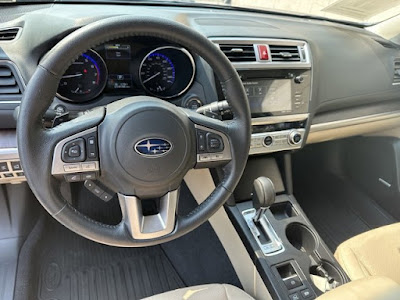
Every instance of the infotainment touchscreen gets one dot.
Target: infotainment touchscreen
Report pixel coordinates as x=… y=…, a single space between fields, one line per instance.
x=269 y=96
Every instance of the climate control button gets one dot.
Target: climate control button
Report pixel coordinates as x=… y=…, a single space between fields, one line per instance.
x=268 y=140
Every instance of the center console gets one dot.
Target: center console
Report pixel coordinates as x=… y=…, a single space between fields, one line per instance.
x=277 y=81
x=289 y=254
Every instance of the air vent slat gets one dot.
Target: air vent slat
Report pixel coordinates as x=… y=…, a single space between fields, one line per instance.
x=7 y=81
x=396 y=73
x=14 y=90
x=284 y=53
x=8 y=34
x=9 y=84
x=4 y=72
x=238 y=52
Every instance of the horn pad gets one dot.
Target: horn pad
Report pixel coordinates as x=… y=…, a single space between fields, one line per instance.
x=150 y=143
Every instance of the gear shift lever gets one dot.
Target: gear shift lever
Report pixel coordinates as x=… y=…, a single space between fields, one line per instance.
x=263 y=196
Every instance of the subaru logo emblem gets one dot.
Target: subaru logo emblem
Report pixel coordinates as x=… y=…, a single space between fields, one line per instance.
x=153 y=147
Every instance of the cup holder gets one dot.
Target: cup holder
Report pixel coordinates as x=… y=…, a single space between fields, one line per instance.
x=301 y=238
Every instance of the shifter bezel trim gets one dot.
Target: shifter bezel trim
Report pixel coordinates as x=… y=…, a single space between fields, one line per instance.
x=268 y=249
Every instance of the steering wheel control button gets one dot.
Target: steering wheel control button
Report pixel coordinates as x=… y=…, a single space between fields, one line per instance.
x=74 y=151
x=97 y=191
x=89 y=185
x=105 y=197
x=201 y=141
x=8 y=175
x=214 y=142
x=20 y=174
x=92 y=147
x=70 y=168
x=16 y=166
x=88 y=166
x=89 y=176
x=73 y=177
x=3 y=167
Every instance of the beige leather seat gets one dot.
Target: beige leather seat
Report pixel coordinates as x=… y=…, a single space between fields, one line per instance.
x=373 y=253
x=201 y=292
x=370 y=288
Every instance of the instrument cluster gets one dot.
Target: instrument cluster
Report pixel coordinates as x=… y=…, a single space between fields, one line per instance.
x=128 y=67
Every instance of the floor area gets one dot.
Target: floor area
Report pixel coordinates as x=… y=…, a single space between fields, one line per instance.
x=72 y=267
x=337 y=207
x=50 y=262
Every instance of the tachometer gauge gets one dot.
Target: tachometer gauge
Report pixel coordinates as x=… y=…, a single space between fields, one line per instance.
x=85 y=79
x=167 y=72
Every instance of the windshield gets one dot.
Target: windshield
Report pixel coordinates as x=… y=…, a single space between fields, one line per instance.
x=358 y=11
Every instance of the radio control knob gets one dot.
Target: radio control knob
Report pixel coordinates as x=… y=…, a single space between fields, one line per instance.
x=295 y=138
x=299 y=79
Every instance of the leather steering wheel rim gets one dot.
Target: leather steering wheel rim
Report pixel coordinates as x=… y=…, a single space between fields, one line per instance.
x=36 y=143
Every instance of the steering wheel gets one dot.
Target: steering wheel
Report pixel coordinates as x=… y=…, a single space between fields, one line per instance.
x=118 y=140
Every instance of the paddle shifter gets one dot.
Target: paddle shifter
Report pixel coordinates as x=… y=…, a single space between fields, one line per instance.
x=263 y=196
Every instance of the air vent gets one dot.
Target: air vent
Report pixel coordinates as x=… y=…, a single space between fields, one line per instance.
x=238 y=52
x=284 y=53
x=11 y=86
x=8 y=34
x=396 y=75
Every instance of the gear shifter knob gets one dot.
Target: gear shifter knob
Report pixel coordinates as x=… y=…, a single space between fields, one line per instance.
x=263 y=196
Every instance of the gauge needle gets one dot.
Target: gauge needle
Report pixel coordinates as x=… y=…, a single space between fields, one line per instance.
x=151 y=77
x=72 y=76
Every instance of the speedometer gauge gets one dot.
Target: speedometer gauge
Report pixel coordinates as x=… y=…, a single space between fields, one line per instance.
x=85 y=79
x=157 y=73
x=167 y=72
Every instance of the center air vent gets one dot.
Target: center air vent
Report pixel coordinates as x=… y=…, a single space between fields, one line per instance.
x=8 y=34
x=11 y=85
x=284 y=53
x=396 y=75
x=238 y=52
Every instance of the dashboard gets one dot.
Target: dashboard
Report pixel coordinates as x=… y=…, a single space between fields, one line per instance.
x=306 y=80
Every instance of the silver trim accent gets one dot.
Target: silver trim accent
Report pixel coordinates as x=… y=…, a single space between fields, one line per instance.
x=100 y=90
x=354 y=121
x=279 y=119
x=268 y=64
x=384 y=182
x=226 y=153
x=275 y=246
x=149 y=227
x=9 y=154
x=353 y=126
x=58 y=165
x=184 y=51
x=257 y=145
x=16 y=37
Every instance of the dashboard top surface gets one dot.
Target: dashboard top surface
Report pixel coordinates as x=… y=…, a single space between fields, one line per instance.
x=350 y=65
